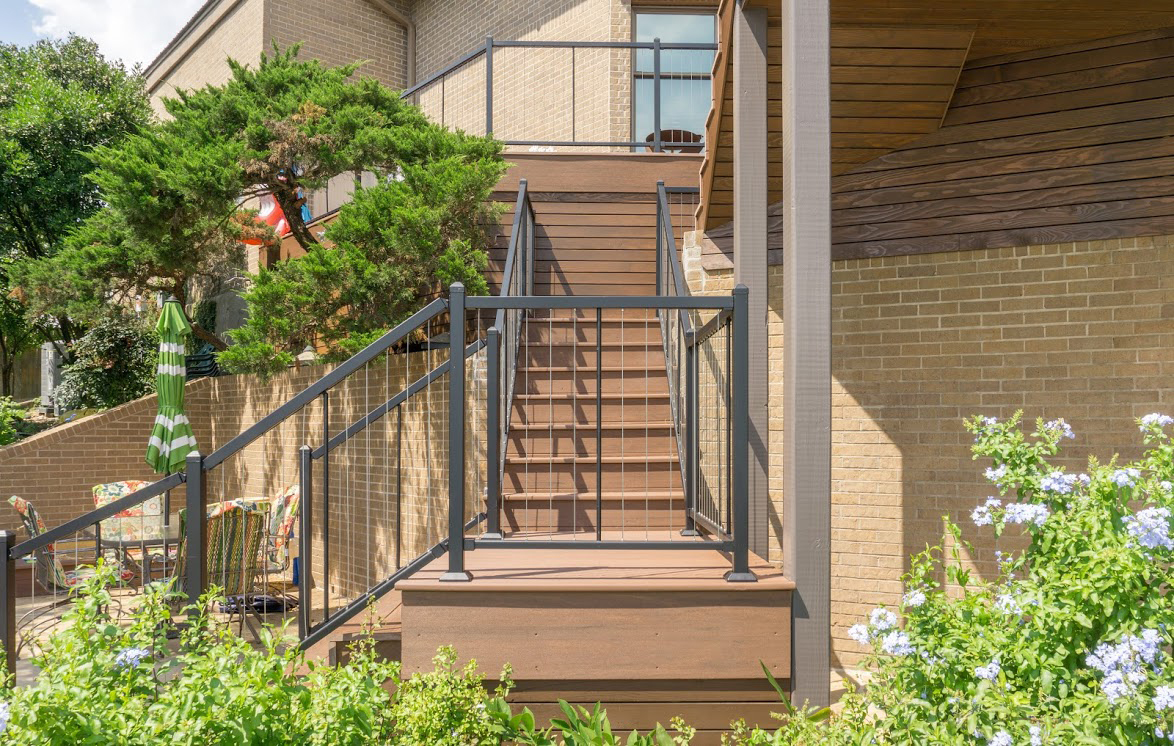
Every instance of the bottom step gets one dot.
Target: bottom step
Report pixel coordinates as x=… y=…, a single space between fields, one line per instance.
x=388 y=646
x=524 y=512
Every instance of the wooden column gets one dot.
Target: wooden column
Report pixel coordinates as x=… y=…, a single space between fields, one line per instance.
x=750 y=208
x=807 y=380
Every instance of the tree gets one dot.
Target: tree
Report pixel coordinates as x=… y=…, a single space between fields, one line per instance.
x=174 y=190
x=396 y=243
x=58 y=100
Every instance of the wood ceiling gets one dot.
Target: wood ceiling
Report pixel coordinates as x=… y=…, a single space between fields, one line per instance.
x=896 y=65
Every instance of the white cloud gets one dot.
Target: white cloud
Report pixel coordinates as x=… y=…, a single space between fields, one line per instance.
x=131 y=30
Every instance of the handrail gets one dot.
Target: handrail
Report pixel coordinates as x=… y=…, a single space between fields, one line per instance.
x=511 y=255
x=326 y=382
x=72 y=526
x=386 y=407
x=669 y=245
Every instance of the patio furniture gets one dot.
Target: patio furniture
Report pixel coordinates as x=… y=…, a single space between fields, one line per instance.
x=234 y=533
x=132 y=532
x=50 y=574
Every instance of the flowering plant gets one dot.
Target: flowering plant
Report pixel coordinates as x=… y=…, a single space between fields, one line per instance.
x=1069 y=642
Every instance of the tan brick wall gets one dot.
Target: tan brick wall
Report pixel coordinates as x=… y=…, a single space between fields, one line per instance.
x=237 y=34
x=1083 y=331
x=534 y=92
x=346 y=32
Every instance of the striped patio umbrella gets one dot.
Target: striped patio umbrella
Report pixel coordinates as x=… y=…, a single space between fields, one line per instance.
x=171 y=438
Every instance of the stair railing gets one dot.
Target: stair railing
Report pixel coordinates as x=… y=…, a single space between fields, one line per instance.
x=470 y=82
x=503 y=343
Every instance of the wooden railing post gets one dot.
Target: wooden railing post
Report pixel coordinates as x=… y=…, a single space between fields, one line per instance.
x=196 y=529
x=456 y=436
x=8 y=604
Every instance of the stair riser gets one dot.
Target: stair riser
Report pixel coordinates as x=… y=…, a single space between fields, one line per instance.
x=641 y=356
x=634 y=515
x=636 y=331
x=629 y=411
x=659 y=441
x=583 y=382
x=560 y=477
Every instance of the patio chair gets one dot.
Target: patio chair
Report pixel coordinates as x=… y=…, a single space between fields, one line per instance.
x=141 y=523
x=234 y=532
x=49 y=573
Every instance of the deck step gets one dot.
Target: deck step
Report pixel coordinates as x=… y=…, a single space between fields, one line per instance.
x=662 y=458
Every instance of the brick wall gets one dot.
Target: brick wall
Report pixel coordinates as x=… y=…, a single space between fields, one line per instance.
x=347 y=31
x=1083 y=331
x=237 y=34
x=534 y=90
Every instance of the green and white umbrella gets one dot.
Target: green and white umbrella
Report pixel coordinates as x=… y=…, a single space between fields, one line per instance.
x=171 y=438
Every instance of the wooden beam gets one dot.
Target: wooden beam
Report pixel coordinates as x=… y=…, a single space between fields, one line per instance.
x=807 y=381
x=750 y=206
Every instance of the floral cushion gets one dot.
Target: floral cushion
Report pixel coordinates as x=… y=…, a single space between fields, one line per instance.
x=49 y=569
x=283 y=511
x=143 y=522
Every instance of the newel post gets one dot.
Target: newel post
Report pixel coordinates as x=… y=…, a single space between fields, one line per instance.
x=196 y=528
x=456 y=436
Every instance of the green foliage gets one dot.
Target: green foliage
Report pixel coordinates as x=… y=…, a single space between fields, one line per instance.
x=58 y=100
x=113 y=363
x=10 y=416
x=395 y=243
x=1069 y=644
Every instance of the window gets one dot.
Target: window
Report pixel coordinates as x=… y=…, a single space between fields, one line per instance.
x=685 y=87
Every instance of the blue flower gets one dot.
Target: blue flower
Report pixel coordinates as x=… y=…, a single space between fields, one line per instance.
x=1150 y=528
x=995 y=474
x=859 y=633
x=982 y=514
x=1125 y=477
x=897 y=643
x=1002 y=738
x=914 y=598
x=1026 y=513
x=1064 y=428
x=131 y=657
x=990 y=672
x=1007 y=604
x=1037 y=735
x=1164 y=698
x=1125 y=664
x=1161 y=420
x=1059 y=482
x=882 y=619
x=4 y=716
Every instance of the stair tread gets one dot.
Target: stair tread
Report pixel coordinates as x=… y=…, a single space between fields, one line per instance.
x=606 y=495
x=604 y=396
x=574 y=427
x=642 y=458
x=650 y=344
x=648 y=368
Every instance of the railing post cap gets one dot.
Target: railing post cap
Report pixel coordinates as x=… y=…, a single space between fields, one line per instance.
x=456 y=287
x=7 y=536
x=741 y=289
x=305 y=448
x=194 y=456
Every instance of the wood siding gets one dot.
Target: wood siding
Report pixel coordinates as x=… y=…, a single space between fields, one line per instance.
x=1066 y=144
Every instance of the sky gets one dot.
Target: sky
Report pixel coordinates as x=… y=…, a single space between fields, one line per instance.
x=133 y=31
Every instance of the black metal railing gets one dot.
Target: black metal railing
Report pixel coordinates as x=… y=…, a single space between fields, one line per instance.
x=533 y=93
x=503 y=344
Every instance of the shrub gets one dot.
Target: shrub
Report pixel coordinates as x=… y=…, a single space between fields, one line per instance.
x=1069 y=644
x=113 y=363
x=10 y=417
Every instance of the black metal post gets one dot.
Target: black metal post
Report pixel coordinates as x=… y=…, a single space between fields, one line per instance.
x=305 y=549
x=8 y=608
x=660 y=249
x=656 y=140
x=741 y=446
x=196 y=528
x=325 y=505
x=599 y=423
x=493 y=444
x=691 y=434
x=488 y=86
x=456 y=436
